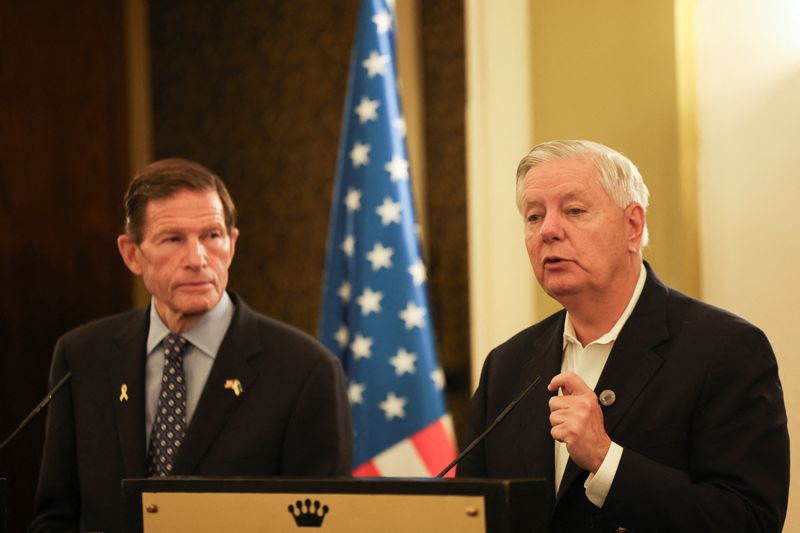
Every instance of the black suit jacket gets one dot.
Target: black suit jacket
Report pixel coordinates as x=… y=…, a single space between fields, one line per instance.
x=699 y=412
x=293 y=417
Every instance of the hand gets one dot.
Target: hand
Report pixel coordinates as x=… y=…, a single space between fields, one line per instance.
x=577 y=421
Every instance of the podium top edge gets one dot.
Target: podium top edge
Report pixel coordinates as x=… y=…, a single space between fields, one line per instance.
x=464 y=486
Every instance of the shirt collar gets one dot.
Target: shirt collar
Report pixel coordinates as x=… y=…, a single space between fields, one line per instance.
x=206 y=335
x=610 y=335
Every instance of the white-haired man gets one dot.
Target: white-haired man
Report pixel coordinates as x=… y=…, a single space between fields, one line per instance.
x=662 y=413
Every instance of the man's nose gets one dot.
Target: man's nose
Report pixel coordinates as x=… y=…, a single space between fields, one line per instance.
x=552 y=228
x=195 y=254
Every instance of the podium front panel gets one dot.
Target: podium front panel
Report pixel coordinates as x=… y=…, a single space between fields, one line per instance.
x=278 y=505
x=334 y=513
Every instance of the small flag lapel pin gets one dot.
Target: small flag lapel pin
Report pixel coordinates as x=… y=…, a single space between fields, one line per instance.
x=235 y=385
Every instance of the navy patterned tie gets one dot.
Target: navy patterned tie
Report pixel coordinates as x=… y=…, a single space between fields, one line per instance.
x=167 y=434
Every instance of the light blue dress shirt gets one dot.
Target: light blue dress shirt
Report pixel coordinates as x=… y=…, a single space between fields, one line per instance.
x=205 y=339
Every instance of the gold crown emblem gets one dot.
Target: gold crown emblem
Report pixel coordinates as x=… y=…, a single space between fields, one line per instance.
x=308 y=514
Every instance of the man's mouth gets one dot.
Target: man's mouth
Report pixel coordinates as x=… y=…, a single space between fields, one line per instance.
x=555 y=263
x=194 y=284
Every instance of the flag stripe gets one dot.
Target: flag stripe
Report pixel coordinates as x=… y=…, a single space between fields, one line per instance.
x=368 y=469
x=435 y=446
x=401 y=460
x=424 y=454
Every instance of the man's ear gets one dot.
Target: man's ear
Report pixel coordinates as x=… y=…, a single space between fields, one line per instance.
x=635 y=220
x=128 y=250
x=233 y=237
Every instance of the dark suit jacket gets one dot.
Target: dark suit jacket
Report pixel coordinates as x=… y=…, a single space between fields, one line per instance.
x=699 y=412
x=293 y=417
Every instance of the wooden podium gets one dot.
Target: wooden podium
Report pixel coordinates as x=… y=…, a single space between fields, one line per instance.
x=278 y=505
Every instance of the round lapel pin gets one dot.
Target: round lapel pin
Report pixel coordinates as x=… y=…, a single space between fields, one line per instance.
x=607 y=398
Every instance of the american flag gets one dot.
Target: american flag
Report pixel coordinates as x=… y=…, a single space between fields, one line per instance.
x=375 y=313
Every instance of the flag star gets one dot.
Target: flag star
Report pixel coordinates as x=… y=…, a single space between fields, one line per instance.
x=349 y=245
x=367 y=110
x=418 y=272
x=375 y=64
x=383 y=21
x=362 y=347
x=355 y=392
x=370 y=301
x=360 y=154
x=389 y=211
x=438 y=378
x=394 y=406
x=353 y=199
x=400 y=125
x=413 y=316
x=342 y=336
x=403 y=362
x=380 y=257
x=397 y=168
x=345 y=291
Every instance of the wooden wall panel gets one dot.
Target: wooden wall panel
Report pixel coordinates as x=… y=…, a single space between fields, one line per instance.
x=254 y=90
x=62 y=173
x=443 y=66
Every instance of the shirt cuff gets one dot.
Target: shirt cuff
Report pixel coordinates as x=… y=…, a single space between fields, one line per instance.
x=598 y=484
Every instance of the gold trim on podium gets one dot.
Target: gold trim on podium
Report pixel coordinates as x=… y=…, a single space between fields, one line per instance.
x=178 y=504
x=346 y=513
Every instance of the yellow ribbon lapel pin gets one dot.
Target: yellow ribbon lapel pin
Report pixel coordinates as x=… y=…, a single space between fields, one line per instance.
x=123 y=393
x=235 y=385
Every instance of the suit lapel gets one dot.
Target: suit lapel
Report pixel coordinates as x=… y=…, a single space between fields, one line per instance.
x=129 y=363
x=632 y=362
x=217 y=402
x=544 y=361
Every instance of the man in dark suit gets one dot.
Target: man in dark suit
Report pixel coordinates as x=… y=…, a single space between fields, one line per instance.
x=198 y=384
x=662 y=413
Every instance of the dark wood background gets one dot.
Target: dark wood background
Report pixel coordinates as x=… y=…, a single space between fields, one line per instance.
x=254 y=89
x=63 y=166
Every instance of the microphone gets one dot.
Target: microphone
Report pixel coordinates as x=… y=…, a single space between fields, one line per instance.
x=488 y=430
x=38 y=408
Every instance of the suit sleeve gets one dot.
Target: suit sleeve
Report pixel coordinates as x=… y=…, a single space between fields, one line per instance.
x=737 y=475
x=319 y=437
x=57 y=504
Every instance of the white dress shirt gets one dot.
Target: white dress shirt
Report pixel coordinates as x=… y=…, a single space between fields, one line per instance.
x=588 y=362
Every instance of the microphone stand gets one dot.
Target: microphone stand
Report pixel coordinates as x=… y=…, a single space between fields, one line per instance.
x=36 y=409
x=25 y=422
x=488 y=430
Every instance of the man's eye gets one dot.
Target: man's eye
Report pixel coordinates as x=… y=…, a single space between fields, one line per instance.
x=534 y=218
x=575 y=211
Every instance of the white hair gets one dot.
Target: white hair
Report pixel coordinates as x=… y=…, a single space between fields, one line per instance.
x=616 y=173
